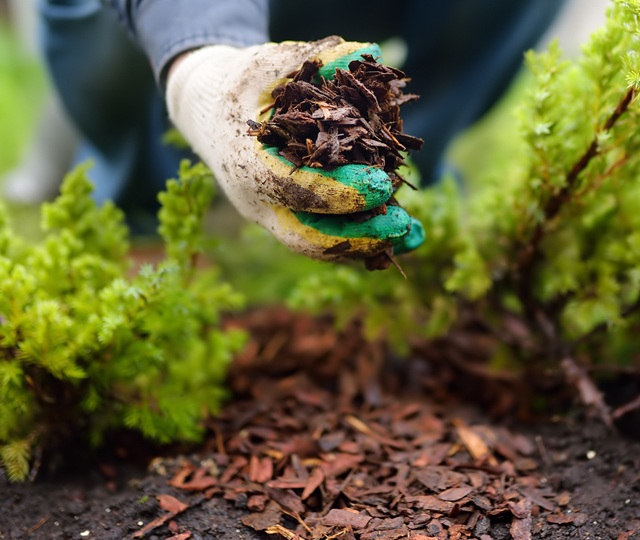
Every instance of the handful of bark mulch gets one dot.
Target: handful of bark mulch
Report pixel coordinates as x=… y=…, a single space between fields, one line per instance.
x=352 y=119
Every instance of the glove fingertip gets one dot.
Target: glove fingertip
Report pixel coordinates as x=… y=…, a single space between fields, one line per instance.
x=413 y=240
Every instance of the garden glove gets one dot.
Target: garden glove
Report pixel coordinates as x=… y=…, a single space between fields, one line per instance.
x=214 y=91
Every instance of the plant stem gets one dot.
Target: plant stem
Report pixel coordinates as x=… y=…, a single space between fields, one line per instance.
x=589 y=393
x=529 y=253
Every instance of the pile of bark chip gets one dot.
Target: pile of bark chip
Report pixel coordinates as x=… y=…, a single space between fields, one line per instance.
x=354 y=462
x=352 y=119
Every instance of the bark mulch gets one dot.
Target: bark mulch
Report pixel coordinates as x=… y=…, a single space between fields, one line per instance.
x=326 y=441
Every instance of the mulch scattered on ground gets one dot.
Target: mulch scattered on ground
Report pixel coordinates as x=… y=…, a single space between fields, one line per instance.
x=322 y=443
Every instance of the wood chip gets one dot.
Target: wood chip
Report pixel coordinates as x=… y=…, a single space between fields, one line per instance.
x=521 y=527
x=430 y=502
x=261 y=521
x=279 y=529
x=171 y=504
x=313 y=482
x=472 y=442
x=455 y=494
x=344 y=518
x=561 y=519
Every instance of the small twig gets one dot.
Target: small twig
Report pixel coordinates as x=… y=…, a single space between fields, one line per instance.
x=393 y=261
x=589 y=393
x=37 y=463
x=543 y=451
x=333 y=499
x=624 y=409
x=338 y=534
x=268 y=107
x=405 y=181
x=36 y=526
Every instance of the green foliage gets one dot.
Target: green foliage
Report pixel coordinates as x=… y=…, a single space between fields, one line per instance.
x=85 y=347
x=552 y=236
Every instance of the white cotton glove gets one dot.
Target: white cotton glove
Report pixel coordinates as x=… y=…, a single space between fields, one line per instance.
x=214 y=91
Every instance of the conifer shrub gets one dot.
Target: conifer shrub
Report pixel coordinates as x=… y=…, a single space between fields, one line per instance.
x=84 y=348
x=552 y=240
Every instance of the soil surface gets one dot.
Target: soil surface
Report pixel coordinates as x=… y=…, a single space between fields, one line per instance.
x=327 y=438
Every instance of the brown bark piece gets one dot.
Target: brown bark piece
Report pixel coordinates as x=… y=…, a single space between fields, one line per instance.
x=313 y=482
x=391 y=534
x=561 y=519
x=261 y=521
x=260 y=470
x=431 y=502
x=171 y=504
x=521 y=527
x=473 y=443
x=344 y=518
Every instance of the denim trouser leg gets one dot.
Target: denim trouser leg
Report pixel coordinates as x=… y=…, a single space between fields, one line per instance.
x=462 y=53
x=107 y=87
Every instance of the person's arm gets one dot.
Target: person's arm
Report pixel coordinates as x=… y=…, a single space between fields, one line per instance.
x=167 y=28
x=216 y=81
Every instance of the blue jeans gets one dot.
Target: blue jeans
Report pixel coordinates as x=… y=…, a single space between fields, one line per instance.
x=462 y=55
x=108 y=89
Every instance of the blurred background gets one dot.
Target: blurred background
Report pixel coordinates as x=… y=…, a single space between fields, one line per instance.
x=37 y=141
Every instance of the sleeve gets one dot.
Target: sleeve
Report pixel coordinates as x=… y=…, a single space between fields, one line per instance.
x=166 y=28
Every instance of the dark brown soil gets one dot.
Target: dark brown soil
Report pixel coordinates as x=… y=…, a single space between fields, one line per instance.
x=391 y=447
x=604 y=489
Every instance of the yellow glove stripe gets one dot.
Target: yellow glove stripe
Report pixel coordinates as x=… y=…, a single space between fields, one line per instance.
x=362 y=247
x=348 y=47
x=344 y=199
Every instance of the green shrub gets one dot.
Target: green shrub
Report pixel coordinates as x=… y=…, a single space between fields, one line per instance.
x=84 y=348
x=551 y=238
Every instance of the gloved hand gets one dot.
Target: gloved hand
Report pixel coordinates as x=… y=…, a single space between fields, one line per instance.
x=214 y=91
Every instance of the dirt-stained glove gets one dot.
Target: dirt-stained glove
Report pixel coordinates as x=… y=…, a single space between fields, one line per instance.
x=214 y=91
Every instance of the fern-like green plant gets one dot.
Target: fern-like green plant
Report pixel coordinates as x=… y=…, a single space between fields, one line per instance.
x=85 y=348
